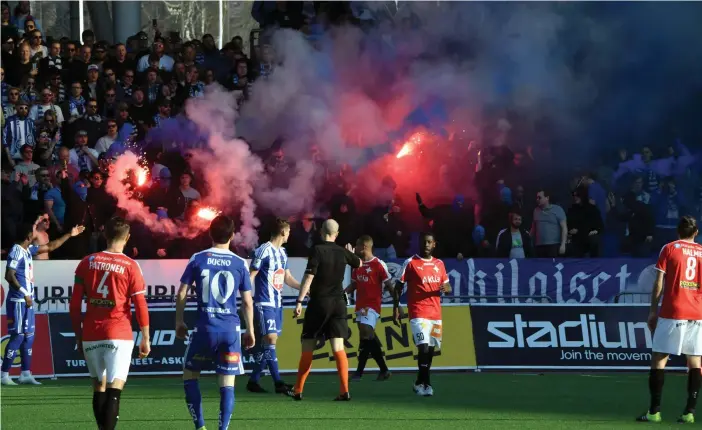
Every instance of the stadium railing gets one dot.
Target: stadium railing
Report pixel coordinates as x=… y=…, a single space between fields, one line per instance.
x=632 y=298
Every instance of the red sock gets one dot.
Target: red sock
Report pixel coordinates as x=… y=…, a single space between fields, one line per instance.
x=342 y=366
x=303 y=369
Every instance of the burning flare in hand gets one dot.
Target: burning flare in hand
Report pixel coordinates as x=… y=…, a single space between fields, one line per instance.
x=207 y=213
x=412 y=142
x=142 y=175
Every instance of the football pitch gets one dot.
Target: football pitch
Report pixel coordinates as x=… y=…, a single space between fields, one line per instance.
x=462 y=401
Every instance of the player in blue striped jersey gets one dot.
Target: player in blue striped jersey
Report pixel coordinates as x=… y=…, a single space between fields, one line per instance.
x=269 y=272
x=218 y=274
x=20 y=312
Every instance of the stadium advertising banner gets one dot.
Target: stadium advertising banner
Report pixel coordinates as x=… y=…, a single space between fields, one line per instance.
x=562 y=280
x=167 y=352
x=563 y=337
x=42 y=361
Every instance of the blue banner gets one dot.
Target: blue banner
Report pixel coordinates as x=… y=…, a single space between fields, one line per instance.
x=561 y=280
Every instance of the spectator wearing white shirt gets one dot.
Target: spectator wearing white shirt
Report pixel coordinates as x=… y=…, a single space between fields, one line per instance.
x=165 y=62
x=81 y=156
x=47 y=98
x=36 y=47
x=104 y=143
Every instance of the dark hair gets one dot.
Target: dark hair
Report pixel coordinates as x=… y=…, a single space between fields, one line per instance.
x=426 y=234
x=88 y=32
x=116 y=229
x=222 y=229
x=280 y=225
x=687 y=227
x=365 y=239
x=546 y=192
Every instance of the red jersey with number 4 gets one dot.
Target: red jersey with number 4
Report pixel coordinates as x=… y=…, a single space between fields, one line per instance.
x=369 y=279
x=424 y=279
x=109 y=281
x=681 y=261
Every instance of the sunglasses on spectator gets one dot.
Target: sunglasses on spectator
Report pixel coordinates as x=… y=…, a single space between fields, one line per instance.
x=110 y=94
x=14 y=94
x=42 y=175
x=76 y=87
x=22 y=108
x=46 y=94
x=44 y=136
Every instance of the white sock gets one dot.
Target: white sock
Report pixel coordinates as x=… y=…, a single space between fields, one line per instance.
x=26 y=373
x=5 y=375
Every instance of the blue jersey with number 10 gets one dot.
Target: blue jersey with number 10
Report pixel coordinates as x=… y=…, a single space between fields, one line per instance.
x=218 y=274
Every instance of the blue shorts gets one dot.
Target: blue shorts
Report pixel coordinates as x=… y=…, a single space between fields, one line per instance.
x=20 y=318
x=218 y=350
x=268 y=320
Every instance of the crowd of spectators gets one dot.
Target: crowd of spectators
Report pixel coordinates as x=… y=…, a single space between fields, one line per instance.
x=65 y=103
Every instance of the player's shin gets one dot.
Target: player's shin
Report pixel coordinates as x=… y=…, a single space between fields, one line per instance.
x=111 y=413
x=430 y=359
x=258 y=367
x=193 y=399
x=423 y=364
x=655 y=385
x=363 y=354
x=342 y=367
x=376 y=350
x=694 y=380
x=303 y=370
x=226 y=406
x=26 y=352
x=10 y=351
x=99 y=403
x=271 y=359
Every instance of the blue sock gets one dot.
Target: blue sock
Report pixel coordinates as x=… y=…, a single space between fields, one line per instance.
x=11 y=350
x=226 y=406
x=258 y=367
x=272 y=360
x=193 y=398
x=26 y=351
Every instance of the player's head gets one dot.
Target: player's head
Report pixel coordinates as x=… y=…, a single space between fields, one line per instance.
x=117 y=231
x=330 y=230
x=222 y=230
x=281 y=230
x=364 y=247
x=687 y=228
x=25 y=234
x=427 y=243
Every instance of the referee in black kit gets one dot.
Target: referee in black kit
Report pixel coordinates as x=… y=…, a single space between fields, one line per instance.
x=326 y=310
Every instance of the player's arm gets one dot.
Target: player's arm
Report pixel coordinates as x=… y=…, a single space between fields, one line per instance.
x=655 y=300
x=181 y=298
x=141 y=308
x=252 y=275
x=11 y=278
x=75 y=308
x=247 y=307
x=55 y=244
x=351 y=288
x=290 y=280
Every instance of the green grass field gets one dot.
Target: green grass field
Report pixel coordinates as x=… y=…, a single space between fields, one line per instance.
x=462 y=401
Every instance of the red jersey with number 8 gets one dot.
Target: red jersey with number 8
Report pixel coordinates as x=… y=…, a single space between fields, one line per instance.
x=424 y=279
x=681 y=262
x=109 y=282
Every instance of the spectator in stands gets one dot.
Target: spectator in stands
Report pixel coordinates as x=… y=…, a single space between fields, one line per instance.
x=63 y=163
x=184 y=196
x=640 y=226
x=549 y=228
x=23 y=68
x=75 y=105
x=26 y=168
x=164 y=112
x=47 y=104
x=637 y=187
x=7 y=26
x=127 y=84
x=153 y=87
x=54 y=204
x=44 y=149
x=42 y=238
x=109 y=106
x=81 y=156
x=23 y=16
x=158 y=195
x=585 y=225
x=120 y=63
x=138 y=109
x=10 y=108
x=99 y=56
x=55 y=85
x=28 y=91
x=104 y=143
x=51 y=61
x=75 y=69
x=19 y=131
x=452 y=226
x=92 y=89
x=91 y=122
x=51 y=126
x=158 y=48
x=38 y=51
x=12 y=213
x=514 y=241
x=303 y=235
x=668 y=205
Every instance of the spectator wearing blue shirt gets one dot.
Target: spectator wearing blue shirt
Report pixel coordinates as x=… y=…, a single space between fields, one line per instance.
x=54 y=204
x=668 y=205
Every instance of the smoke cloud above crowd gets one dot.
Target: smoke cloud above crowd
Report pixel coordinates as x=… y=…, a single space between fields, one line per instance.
x=576 y=77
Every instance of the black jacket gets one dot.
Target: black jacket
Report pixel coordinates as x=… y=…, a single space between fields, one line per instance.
x=504 y=243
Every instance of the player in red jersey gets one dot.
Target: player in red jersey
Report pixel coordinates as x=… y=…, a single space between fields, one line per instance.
x=368 y=282
x=677 y=329
x=426 y=280
x=110 y=281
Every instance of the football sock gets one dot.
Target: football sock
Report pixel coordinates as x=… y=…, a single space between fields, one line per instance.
x=655 y=386
x=363 y=353
x=271 y=358
x=376 y=350
x=694 y=379
x=111 y=412
x=258 y=367
x=26 y=352
x=423 y=364
x=430 y=359
x=10 y=350
x=226 y=406
x=342 y=367
x=303 y=369
x=99 y=402
x=193 y=399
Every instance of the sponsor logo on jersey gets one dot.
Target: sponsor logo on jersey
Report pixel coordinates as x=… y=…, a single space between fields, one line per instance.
x=691 y=285
x=431 y=279
x=279 y=279
x=100 y=346
x=232 y=357
x=102 y=303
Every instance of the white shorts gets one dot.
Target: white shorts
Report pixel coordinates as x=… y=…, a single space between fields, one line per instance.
x=678 y=337
x=367 y=316
x=109 y=358
x=426 y=332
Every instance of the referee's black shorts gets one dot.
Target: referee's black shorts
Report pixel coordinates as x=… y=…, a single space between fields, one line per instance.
x=325 y=317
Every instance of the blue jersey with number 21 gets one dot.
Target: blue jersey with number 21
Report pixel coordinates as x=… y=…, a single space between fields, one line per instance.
x=217 y=274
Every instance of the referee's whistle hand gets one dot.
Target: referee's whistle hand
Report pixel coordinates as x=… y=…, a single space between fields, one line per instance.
x=298 y=311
